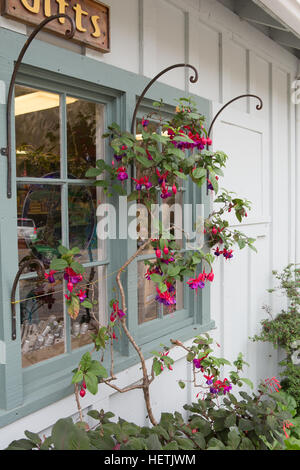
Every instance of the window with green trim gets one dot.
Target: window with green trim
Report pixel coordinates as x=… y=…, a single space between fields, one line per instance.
x=59 y=122
x=58 y=137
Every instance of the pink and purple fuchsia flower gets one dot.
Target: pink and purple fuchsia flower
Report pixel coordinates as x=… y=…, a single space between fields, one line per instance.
x=71 y=276
x=122 y=174
x=117 y=312
x=50 y=277
x=81 y=295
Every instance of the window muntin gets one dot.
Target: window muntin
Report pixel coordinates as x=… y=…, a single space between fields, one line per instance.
x=56 y=205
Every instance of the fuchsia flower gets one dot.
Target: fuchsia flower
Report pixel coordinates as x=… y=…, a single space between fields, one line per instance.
x=227 y=254
x=197 y=362
x=117 y=312
x=155 y=270
x=145 y=123
x=196 y=283
x=165 y=298
x=71 y=276
x=81 y=295
x=122 y=174
x=209 y=379
x=149 y=155
x=50 y=276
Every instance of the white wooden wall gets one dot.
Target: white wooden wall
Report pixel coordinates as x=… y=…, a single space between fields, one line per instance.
x=232 y=58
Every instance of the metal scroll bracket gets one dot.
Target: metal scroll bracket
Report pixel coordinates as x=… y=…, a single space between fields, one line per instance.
x=6 y=151
x=259 y=106
x=40 y=269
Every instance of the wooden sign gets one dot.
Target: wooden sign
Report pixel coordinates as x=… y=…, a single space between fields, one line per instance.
x=90 y=16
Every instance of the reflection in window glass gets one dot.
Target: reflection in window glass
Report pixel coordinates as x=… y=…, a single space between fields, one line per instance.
x=83 y=223
x=39 y=221
x=37 y=132
x=148 y=308
x=84 y=131
x=87 y=322
x=42 y=321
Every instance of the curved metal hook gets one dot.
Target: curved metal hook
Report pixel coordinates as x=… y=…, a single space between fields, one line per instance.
x=40 y=269
x=193 y=79
x=69 y=34
x=258 y=107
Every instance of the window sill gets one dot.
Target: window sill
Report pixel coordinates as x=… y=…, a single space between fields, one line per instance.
x=59 y=384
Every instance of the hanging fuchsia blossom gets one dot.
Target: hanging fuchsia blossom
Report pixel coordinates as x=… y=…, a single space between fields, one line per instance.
x=71 y=276
x=145 y=123
x=197 y=283
x=81 y=295
x=165 y=298
x=119 y=157
x=227 y=254
x=50 y=277
x=122 y=174
x=117 y=312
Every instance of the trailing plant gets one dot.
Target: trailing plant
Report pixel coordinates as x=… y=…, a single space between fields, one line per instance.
x=283 y=329
x=178 y=149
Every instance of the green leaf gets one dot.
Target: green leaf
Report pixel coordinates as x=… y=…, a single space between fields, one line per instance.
x=91 y=383
x=33 y=437
x=230 y=420
x=58 y=264
x=245 y=425
x=199 y=173
x=77 y=267
x=87 y=304
x=233 y=439
x=181 y=384
x=155 y=278
x=63 y=250
x=247 y=382
x=74 y=307
x=21 y=444
x=77 y=377
x=97 y=369
x=93 y=172
x=94 y=414
x=67 y=436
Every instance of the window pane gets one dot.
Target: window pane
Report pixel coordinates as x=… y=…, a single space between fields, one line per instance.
x=84 y=135
x=83 y=202
x=39 y=221
x=148 y=308
x=87 y=322
x=37 y=132
x=167 y=310
x=42 y=321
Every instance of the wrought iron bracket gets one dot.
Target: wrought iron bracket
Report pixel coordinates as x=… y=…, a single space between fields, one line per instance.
x=40 y=269
x=6 y=151
x=193 y=79
x=258 y=107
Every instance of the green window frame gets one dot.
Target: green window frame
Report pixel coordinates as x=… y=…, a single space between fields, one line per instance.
x=23 y=391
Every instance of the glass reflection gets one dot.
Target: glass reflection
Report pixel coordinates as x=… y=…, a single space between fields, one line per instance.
x=88 y=320
x=84 y=131
x=42 y=321
x=39 y=221
x=37 y=132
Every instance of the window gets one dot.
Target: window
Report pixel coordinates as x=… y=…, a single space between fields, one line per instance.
x=59 y=121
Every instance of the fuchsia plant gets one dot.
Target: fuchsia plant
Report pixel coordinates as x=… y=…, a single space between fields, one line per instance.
x=161 y=160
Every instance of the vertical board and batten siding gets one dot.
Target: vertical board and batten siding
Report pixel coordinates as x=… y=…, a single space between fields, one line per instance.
x=232 y=58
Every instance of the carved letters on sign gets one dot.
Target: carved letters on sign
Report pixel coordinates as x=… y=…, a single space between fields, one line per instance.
x=90 y=16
